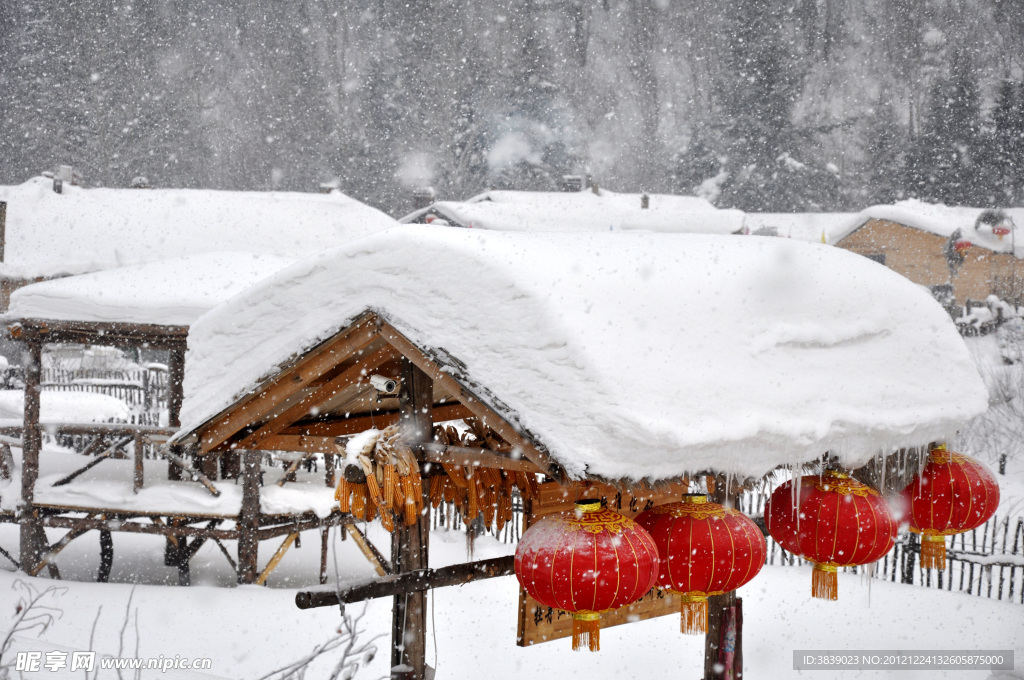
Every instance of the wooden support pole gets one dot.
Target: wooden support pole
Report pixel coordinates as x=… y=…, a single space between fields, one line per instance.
x=175 y=395
x=106 y=556
x=329 y=469
x=276 y=559
x=325 y=534
x=110 y=451
x=409 y=544
x=418 y=581
x=30 y=530
x=249 y=518
x=137 y=471
x=370 y=552
x=723 y=650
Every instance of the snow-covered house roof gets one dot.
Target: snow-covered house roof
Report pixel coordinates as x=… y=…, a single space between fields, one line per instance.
x=583 y=211
x=943 y=220
x=171 y=292
x=815 y=227
x=622 y=356
x=86 y=230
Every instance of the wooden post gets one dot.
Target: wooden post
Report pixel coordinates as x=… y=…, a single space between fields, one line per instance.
x=3 y=228
x=325 y=534
x=249 y=518
x=175 y=376
x=106 y=556
x=409 y=545
x=329 y=470
x=723 y=651
x=30 y=529
x=138 y=472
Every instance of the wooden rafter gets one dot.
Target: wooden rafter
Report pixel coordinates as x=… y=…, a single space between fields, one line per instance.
x=255 y=407
x=362 y=422
x=302 y=408
x=479 y=409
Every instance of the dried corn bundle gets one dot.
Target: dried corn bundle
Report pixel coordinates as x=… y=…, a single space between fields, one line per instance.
x=359 y=501
x=436 y=490
x=390 y=482
x=387 y=520
x=343 y=495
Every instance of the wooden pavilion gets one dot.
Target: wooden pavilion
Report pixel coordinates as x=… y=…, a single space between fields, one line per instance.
x=571 y=385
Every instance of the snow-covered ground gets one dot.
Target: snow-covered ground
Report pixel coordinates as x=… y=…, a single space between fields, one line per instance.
x=250 y=631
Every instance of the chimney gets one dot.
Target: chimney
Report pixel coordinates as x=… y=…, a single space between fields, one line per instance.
x=571 y=183
x=65 y=173
x=645 y=201
x=423 y=197
x=139 y=182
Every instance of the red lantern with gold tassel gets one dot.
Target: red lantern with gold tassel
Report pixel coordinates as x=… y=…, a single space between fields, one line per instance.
x=586 y=562
x=705 y=549
x=832 y=520
x=953 y=494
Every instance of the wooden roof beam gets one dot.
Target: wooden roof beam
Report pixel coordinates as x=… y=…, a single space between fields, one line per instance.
x=486 y=415
x=254 y=407
x=353 y=374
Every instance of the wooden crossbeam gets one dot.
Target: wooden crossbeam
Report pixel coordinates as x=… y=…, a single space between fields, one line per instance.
x=110 y=451
x=471 y=457
x=409 y=582
x=351 y=375
x=56 y=548
x=360 y=423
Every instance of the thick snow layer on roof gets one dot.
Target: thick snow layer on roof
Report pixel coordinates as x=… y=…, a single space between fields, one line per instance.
x=173 y=292
x=943 y=220
x=804 y=226
x=628 y=355
x=585 y=211
x=84 y=230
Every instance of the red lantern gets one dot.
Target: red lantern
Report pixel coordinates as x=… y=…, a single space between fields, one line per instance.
x=953 y=494
x=586 y=562
x=1000 y=231
x=705 y=549
x=962 y=245
x=832 y=520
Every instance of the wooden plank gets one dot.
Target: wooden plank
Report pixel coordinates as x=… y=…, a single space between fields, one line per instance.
x=351 y=375
x=249 y=518
x=544 y=624
x=276 y=559
x=471 y=457
x=486 y=415
x=108 y=333
x=409 y=582
x=276 y=390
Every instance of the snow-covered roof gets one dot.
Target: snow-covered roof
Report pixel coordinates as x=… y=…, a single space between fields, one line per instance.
x=627 y=355
x=85 y=230
x=173 y=292
x=804 y=226
x=943 y=220
x=584 y=211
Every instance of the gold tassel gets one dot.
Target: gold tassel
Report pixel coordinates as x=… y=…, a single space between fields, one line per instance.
x=586 y=631
x=933 y=552
x=693 y=614
x=825 y=582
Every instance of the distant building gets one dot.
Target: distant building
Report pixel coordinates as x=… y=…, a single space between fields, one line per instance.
x=965 y=253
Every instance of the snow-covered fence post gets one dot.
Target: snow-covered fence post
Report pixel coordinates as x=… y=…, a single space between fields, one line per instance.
x=249 y=518
x=409 y=544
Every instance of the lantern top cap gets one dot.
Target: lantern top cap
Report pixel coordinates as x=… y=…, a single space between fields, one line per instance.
x=588 y=505
x=695 y=498
x=938 y=447
x=837 y=473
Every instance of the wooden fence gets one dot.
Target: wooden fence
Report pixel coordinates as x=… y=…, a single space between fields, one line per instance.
x=146 y=390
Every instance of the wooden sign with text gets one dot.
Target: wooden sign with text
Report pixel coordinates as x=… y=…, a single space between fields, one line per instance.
x=539 y=623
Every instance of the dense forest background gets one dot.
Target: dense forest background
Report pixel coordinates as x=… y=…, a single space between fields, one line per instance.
x=787 y=105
